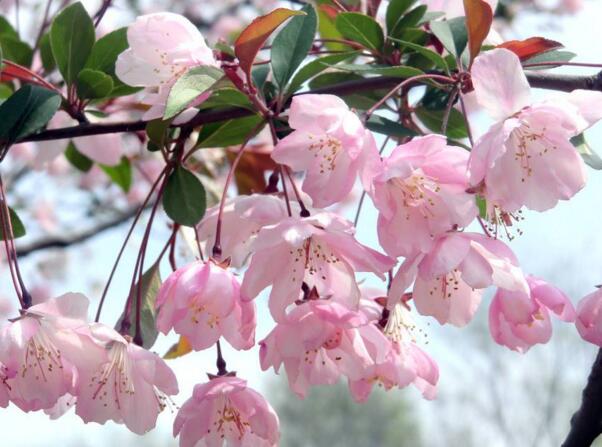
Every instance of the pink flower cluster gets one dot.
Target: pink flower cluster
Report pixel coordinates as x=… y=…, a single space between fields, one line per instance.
x=50 y=357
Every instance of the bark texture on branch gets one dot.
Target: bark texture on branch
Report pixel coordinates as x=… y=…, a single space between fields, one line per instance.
x=586 y=423
x=537 y=80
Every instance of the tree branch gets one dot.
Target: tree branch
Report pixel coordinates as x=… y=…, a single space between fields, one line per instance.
x=537 y=80
x=62 y=242
x=586 y=423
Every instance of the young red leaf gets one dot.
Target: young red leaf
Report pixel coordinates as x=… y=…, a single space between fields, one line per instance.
x=252 y=38
x=479 y=18
x=526 y=49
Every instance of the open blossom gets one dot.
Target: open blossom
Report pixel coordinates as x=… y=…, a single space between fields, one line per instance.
x=318 y=251
x=421 y=193
x=242 y=219
x=4 y=387
x=526 y=158
x=35 y=371
x=518 y=320
x=401 y=362
x=226 y=410
x=589 y=317
x=330 y=143
x=118 y=380
x=318 y=343
x=448 y=281
x=163 y=46
x=452 y=8
x=202 y=302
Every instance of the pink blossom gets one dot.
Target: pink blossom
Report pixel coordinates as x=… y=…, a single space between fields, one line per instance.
x=105 y=149
x=589 y=317
x=448 y=281
x=118 y=380
x=526 y=158
x=318 y=342
x=401 y=362
x=202 y=302
x=242 y=219
x=452 y=8
x=421 y=193
x=226 y=410
x=163 y=46
x=319 y=251
x=35 y=370
x=518 y=320
x=329 y=143
x=4 y=386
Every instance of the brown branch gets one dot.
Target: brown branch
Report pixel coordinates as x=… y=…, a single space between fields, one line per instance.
x=63 y=242
x=537 y=80
x=586 y=423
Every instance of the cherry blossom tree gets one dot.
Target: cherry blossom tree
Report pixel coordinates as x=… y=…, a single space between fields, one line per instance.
x=250 y=138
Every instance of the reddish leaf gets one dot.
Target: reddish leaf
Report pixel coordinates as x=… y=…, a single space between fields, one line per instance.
x=329 y=10
x=479 y=18
x=250 y=173
x=526 y=49
x=11 y=71
x=252 y=38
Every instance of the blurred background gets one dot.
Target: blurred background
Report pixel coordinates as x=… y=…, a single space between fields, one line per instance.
x=488 y=395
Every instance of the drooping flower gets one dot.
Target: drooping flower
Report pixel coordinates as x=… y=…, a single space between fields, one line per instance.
x=397 y=359
x=589 y=317
x=4 y=387
x=35 y=371
x=518 y=320
x=526 y=158
x=242 y=219
x=448 y=281
x=319 y=251
x=118 y=380
x=226 y=410
x=202 y=302
x=318 y=343
x=162 y=47
x=420 y=194
x=330 y=144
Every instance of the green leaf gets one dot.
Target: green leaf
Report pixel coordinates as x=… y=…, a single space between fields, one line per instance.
x=361 y=29
x=227 y=97
x=548 y=56
x=93 y=84
x=72 y=37
x=6 y=29
x=121 y=174
x=227 y=133
x=15 y=50
x=26 y=111
x=105 y=51
x=149 y=289
x=411 y=19
x=434 y=57
x=184 y=197
x=433 y=119
x=77 y=159
x=590 y=158
x=316 y=67
x=482 y=206
x=399 y=71
x=46 y=53
x=291 y=45
x=328 y=30
x=189 y=87
x=157 y=131
x=452 y=34
x=17 y=226
x=388 y=127
x=395 y=11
